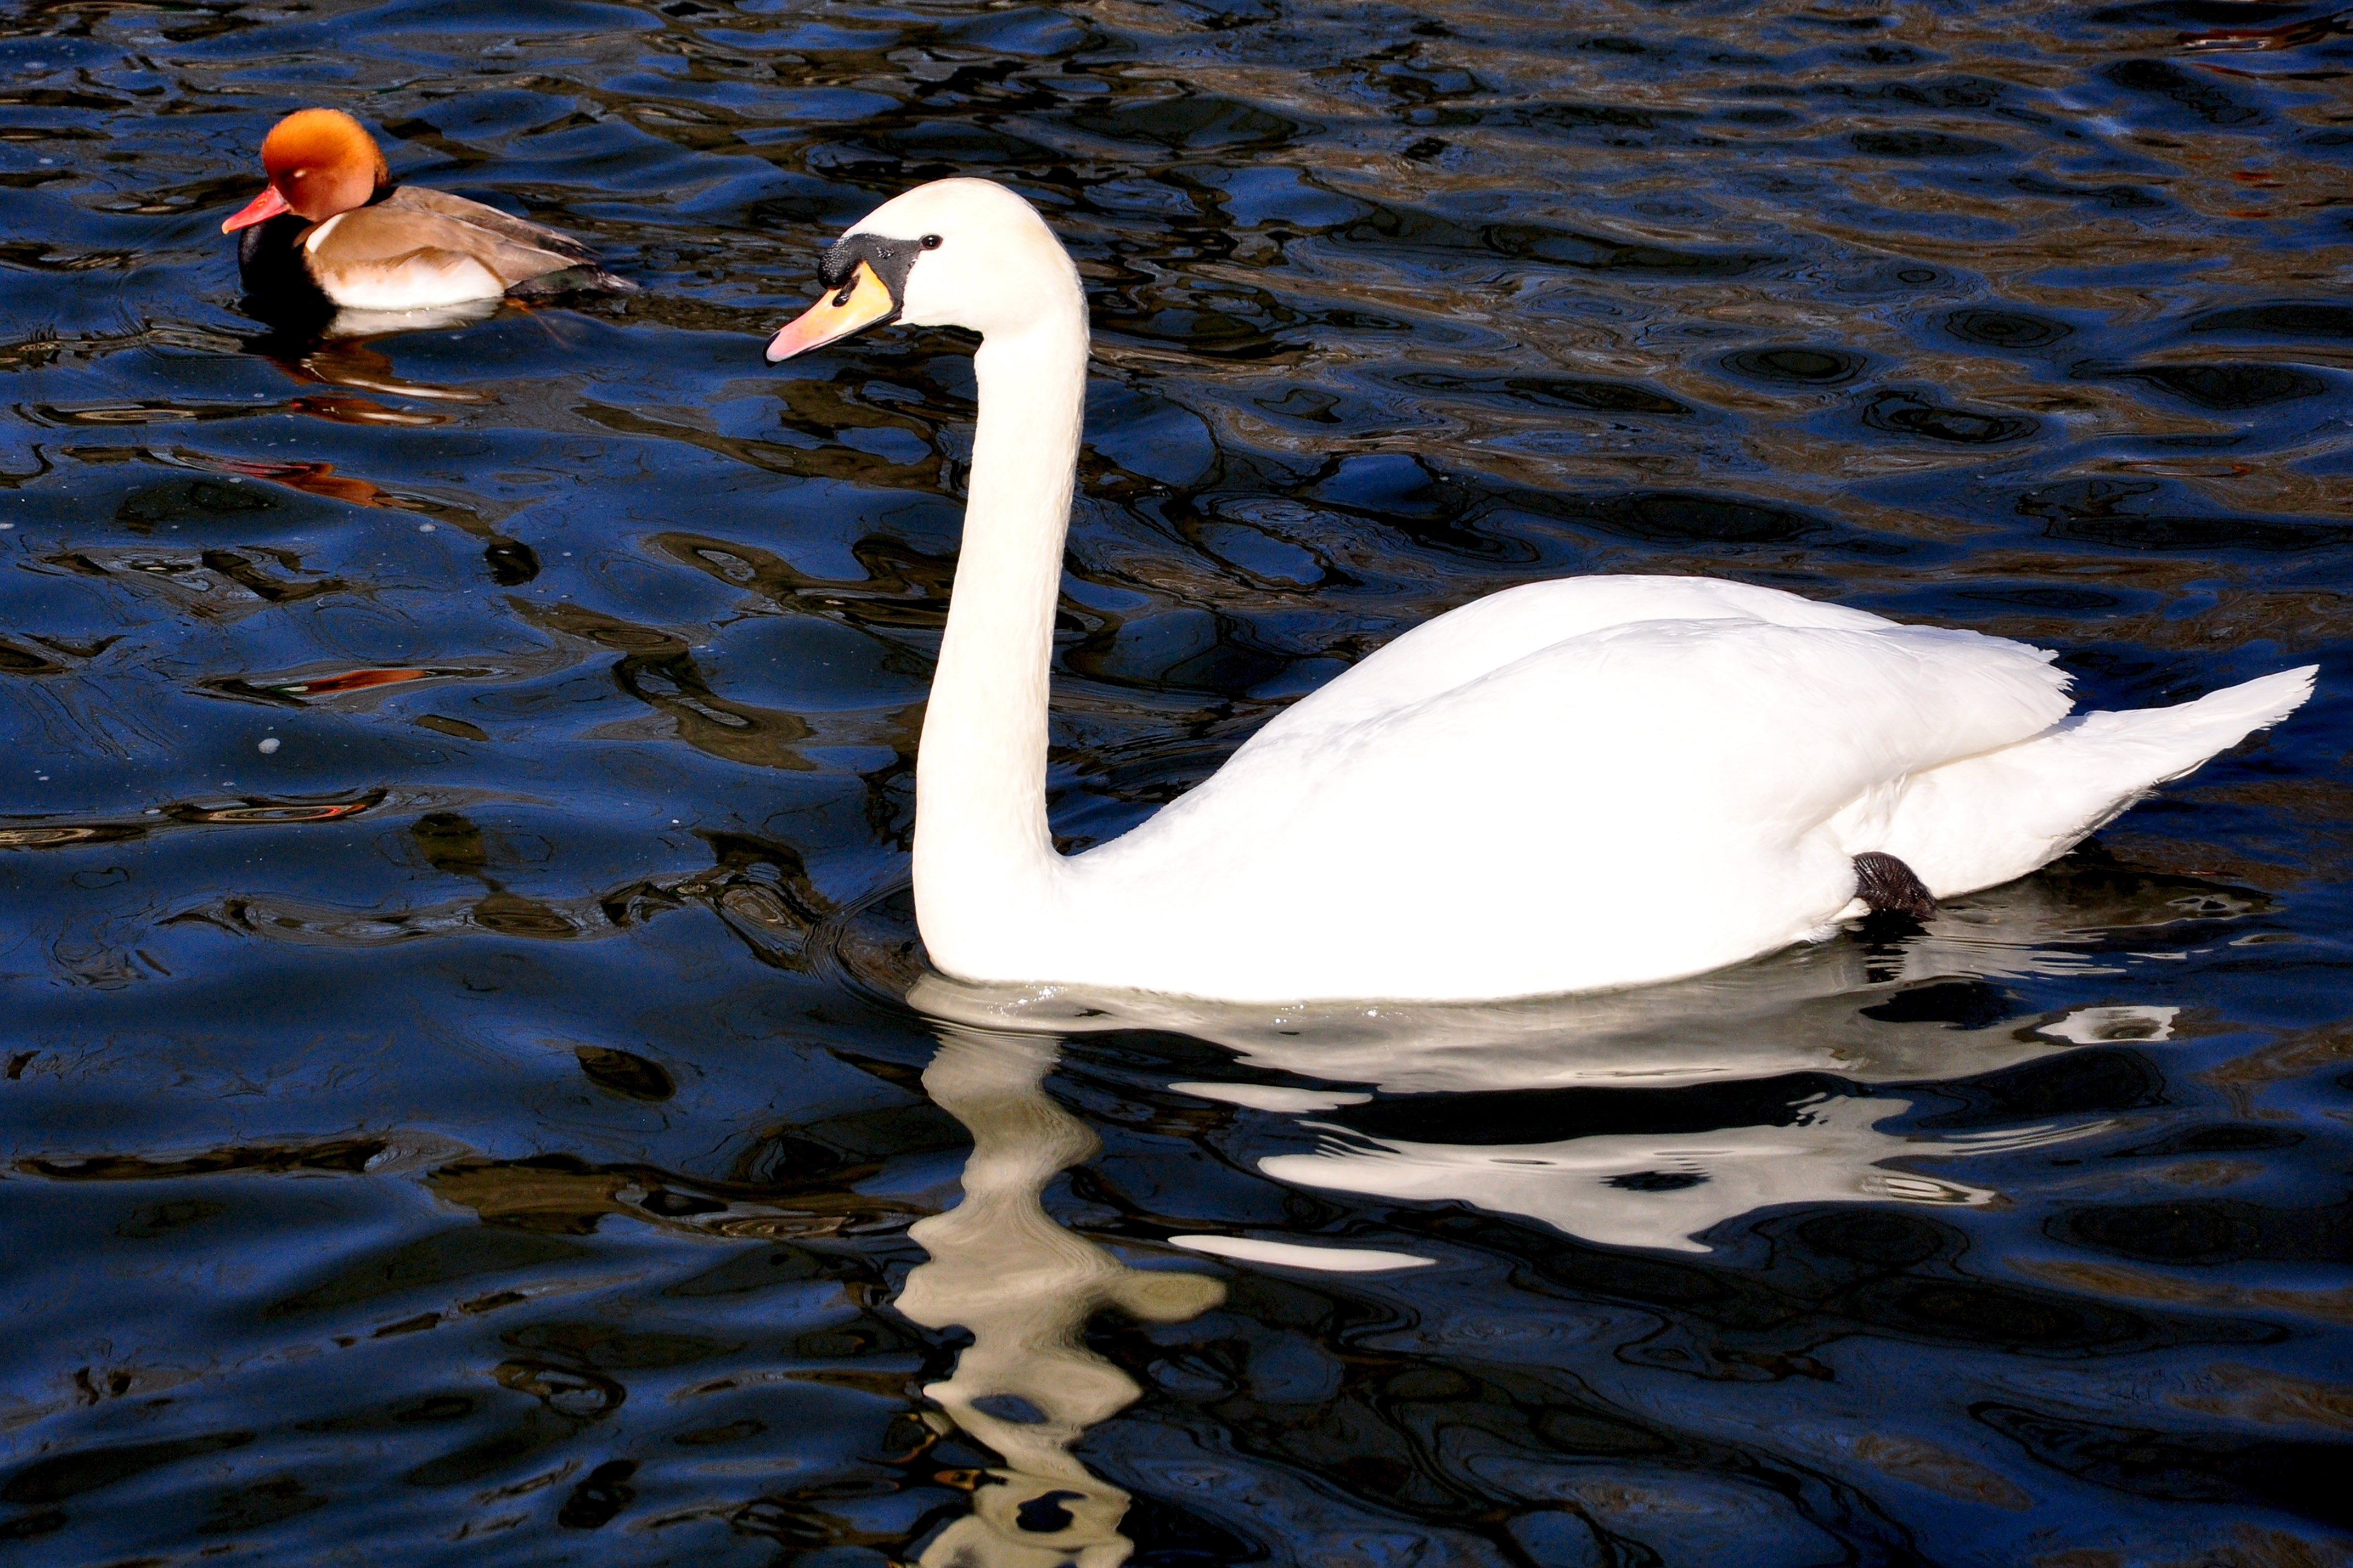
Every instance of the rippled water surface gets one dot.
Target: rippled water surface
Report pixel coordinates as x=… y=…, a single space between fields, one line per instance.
x=494 y=1125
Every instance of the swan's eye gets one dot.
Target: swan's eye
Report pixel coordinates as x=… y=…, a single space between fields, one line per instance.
x=931 y=242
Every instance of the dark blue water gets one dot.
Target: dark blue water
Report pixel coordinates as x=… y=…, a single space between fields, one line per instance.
x=487 y=1126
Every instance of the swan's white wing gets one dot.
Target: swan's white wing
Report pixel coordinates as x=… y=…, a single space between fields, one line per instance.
x=1628 y=804
x=1772 y=726
x=1502 y=628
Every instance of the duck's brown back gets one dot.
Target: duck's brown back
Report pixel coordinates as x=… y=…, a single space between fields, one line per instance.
x=474 y=215
x=433 y=242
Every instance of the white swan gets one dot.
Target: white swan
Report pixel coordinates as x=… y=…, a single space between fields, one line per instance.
x=1569 y=786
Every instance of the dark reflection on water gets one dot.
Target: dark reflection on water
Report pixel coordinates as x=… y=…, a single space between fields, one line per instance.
x=486 y=1125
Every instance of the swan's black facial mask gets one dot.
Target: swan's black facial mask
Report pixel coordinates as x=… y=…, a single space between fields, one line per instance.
x=866 y=278
x=891 y=259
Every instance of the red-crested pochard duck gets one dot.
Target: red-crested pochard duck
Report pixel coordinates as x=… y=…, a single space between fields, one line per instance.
x=332 y=227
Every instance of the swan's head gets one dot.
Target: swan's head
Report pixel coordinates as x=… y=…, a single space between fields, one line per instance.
x=954 y=253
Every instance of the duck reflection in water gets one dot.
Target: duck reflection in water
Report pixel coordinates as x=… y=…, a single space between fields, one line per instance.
x=350 y=350
x=1025 y=1288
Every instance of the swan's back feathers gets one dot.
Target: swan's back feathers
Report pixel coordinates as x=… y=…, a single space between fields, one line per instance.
x=1611 y=671
x=1490 y=633
x=1746 y=723
x=1806 y=717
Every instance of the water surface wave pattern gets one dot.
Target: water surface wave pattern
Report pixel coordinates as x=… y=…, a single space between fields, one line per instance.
x=469 y=1091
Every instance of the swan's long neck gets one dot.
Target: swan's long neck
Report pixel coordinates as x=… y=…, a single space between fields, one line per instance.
x=986 y=870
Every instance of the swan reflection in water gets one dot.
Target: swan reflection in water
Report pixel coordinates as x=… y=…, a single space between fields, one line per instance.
x=1665 y=1190
x=1024 y=1288
x=1845 y=1010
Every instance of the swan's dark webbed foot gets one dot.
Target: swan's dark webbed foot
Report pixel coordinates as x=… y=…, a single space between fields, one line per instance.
x=1891 y=888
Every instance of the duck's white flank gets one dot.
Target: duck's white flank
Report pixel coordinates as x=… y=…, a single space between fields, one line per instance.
x=422 y=280
x=1591 y=782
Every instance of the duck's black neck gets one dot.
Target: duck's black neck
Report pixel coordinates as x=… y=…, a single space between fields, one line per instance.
x=278 y=287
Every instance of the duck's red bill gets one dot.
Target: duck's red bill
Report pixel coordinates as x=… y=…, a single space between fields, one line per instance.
x=261 y=209
x=864 y=302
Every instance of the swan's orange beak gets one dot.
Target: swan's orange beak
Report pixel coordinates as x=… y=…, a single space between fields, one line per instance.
x=864 y=301
x=261 y=209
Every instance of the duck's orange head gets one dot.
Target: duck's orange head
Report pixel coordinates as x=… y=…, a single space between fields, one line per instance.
x=321 y=162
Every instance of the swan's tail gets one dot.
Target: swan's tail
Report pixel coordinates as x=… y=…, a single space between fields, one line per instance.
x=2162 y=744
x=1988 y=819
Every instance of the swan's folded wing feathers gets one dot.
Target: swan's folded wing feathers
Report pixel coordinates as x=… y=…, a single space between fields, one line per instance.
x=1693 y=739
x=1799 y=720
x=1502 y=628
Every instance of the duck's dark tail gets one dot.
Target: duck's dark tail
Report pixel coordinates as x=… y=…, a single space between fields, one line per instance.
x=586 y=279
